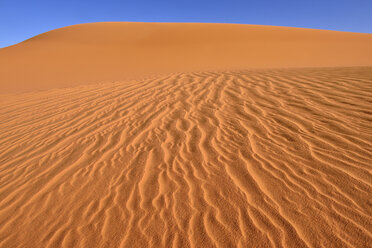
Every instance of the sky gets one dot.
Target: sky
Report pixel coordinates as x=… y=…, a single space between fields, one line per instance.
x=23 y=19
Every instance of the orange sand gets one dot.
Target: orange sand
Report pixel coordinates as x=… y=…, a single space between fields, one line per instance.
x=108 y=52
x=199 y=149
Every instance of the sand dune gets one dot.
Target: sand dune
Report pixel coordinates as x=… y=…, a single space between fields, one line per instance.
x=107 y=52
x=183 y=135
x=268 y=158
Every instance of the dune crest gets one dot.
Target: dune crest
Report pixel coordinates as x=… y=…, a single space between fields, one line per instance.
x=108 y=52
x=269 y=158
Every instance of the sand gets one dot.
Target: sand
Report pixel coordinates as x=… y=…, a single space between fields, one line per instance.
x=108 y=52
x=212 y=156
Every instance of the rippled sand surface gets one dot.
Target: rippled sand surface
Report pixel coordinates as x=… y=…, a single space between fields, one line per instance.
x=259 y=158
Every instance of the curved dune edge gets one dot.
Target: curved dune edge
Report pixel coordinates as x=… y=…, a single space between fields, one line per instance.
x=107 y=52
x=271 y=158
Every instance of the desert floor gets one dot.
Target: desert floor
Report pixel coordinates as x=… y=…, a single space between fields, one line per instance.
x=248 y=158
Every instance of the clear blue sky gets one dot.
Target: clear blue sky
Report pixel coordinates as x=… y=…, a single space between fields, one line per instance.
x=22 y=19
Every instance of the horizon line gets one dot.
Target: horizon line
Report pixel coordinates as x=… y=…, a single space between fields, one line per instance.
x=225 y=23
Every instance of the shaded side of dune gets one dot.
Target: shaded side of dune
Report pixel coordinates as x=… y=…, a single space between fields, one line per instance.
x=274 y=158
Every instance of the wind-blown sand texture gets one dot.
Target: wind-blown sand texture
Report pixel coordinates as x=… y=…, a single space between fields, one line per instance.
x=219 y=158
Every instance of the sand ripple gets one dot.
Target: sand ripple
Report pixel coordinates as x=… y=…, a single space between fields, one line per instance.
x=271 y=158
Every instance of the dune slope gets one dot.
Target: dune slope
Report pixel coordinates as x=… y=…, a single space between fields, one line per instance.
x=97 y=52
x=269 y=158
